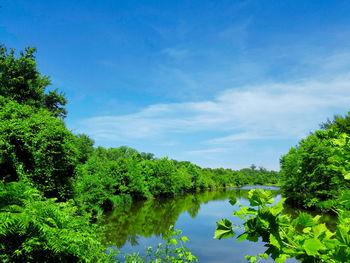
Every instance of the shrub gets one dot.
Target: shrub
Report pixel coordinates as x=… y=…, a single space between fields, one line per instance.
x=35 y=143
x=35 y=229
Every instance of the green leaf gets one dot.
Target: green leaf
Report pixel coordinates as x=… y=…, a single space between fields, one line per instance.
x=312 y=246
x=224 y=229
x=264 y=256
x=233 y=200
x=174 y=241
x=307 y=230
x=305 y=220
x=343 y=234
x=277 y=209
x=251 y=259
x=184 y=239
x=259 y=197
x=282 y=258
x=242 y=237
x=347 y=176
x=319 y=229
x=274 y=241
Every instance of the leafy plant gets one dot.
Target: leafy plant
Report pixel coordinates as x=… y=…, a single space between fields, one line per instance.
x=172 y=251
x=35 y=229
x=304 y=238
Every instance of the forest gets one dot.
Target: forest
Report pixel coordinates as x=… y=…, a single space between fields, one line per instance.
x=55 y=185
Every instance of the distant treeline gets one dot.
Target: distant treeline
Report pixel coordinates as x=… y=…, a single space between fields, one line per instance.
x=54 y=184
x=109 y=174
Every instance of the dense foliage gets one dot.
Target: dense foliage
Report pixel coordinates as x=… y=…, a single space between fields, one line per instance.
x=21 y=81
x=35 y=229
x=304 y=237
x=34 y=143
x=255 y=176
x=307 y=174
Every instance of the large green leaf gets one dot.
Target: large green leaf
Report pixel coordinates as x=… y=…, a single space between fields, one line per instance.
x=259 y=197
x=319 y=229
x=277 y=209
x=224 y=229
x=312 y=246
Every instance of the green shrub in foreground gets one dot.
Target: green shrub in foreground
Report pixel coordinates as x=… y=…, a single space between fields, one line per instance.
x=303 y=238
x=35 y=229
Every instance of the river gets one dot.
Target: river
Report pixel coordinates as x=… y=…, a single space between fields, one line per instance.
x=133 y=227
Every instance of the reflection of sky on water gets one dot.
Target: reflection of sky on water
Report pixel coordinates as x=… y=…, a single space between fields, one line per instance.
x=200 y=230
x=250 y=187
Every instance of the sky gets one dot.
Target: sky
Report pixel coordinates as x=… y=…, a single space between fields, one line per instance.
x=218 y=83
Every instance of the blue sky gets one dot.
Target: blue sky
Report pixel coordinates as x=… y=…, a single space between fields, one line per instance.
x=218 y=83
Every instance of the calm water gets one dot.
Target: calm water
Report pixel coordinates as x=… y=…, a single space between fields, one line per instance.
x=142 y=224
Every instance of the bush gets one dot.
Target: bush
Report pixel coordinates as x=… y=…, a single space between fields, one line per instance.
x=35 y=143
x=35 y=229
x=306 y=176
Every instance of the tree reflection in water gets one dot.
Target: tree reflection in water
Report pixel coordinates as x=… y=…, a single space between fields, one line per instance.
x=155 y=216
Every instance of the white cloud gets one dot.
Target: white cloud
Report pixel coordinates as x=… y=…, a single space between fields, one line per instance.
x=252 y=112
x=237 y=137
x=207 y=151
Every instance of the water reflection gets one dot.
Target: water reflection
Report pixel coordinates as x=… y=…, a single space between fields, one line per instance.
x=154 y=217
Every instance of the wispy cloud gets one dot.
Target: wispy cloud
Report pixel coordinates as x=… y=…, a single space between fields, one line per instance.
x=236 y=33
x=266 y=111
x=207 y=151
x=176 y=53
x=238 y=137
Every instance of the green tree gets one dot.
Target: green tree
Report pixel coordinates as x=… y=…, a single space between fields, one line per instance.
x=161 y=181
x=306 y=177
x=85 y=147
x=340 y=123
x=21 y=81
x=38 y=145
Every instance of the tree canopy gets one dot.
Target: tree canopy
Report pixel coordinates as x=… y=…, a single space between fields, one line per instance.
x=21 y=81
